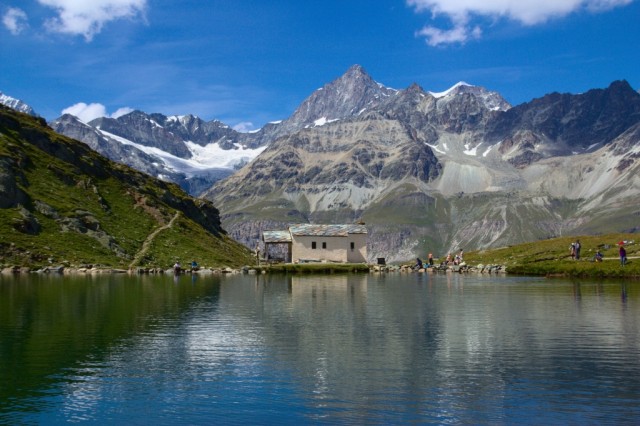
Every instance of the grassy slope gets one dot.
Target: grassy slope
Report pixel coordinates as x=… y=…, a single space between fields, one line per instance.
x=551 y=257
x=122 y=205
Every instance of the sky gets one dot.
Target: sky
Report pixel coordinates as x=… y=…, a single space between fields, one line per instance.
x=250 y=62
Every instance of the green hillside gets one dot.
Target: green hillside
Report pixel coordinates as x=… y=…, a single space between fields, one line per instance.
x=62 y=203
x=551 y=257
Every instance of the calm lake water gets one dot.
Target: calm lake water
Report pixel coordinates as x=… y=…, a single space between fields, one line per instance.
x=324 y=349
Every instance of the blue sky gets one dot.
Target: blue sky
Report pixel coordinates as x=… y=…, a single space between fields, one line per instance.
x=250 y=62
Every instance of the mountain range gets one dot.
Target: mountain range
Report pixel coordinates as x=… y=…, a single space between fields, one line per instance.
x=425 y=171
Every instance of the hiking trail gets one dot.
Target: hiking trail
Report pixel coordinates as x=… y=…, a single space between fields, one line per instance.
x=147 y=242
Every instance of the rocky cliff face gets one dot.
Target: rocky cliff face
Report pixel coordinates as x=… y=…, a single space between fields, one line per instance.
x=564 y=124
x=350 y=95
x=345 y=165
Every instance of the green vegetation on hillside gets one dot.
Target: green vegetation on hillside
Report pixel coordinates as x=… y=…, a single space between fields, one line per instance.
x=62 y=203
x=551 y=257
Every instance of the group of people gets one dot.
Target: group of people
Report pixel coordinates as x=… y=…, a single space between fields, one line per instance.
x=450 y=260
x=456 y=260
x=177 y=268
x=574 y=252
x=420 y=265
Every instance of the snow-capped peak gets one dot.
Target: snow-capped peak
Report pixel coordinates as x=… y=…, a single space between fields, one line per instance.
x=16 y=104
x=176 y=118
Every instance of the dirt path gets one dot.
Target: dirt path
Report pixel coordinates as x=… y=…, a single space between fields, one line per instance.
x=145 y=246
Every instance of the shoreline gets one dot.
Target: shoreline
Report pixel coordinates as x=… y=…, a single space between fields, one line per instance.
x=565 y=271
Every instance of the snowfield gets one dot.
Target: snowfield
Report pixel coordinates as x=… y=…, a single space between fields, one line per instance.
x=203 y=158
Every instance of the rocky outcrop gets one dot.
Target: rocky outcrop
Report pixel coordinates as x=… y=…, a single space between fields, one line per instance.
x=561 y=124
x=10 y=176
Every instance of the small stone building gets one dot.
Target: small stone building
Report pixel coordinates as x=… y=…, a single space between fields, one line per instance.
x=321 y=243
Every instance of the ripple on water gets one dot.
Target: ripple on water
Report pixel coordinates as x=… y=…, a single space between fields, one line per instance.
x=341 y=349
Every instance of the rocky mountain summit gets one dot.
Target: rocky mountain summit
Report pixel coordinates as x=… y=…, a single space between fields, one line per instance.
x=426 y=171
x=442 y=171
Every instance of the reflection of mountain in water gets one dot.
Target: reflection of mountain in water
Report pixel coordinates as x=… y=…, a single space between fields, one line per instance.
x=449 y=344
x=348 y=337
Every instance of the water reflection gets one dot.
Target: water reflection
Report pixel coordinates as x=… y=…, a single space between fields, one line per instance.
x=323 y=349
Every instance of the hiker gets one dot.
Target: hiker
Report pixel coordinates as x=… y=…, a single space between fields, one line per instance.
x=419 y=264
x=177 y=268
x=598 y=257
x=257 y=252
x=577 y=249
x=430 y=259
x=194 y=266
x=623 y=255
x=572 y=251
x=448 y=259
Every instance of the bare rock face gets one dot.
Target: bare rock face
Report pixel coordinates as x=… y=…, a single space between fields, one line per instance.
x=10 y=194
x=352 y=94
x=340 y=164
x=564 y=124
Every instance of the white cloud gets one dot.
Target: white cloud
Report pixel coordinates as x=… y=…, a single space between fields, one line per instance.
x=121 y=111
x=244 y=127
x=15 y=20
x=526 y=12
x=86 y=18
x=458 y=34
x=86 y=113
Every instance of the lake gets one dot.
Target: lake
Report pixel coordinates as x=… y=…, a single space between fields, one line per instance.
x=321 y=349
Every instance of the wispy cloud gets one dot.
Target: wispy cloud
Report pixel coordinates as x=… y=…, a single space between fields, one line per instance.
x=526 y=12
x=87 y=18
x=15 y=20
x=244 y=127
x=460 y=33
